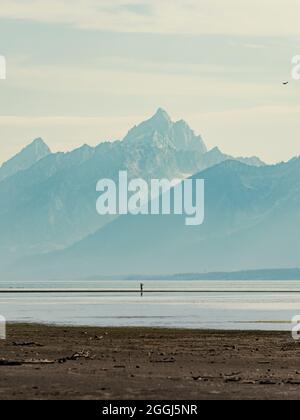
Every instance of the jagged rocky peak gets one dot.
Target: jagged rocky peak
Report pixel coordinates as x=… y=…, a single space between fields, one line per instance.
x=37 y=148
x=161 y=117
x=160 y=122
x=175 y=134
x=39 y=143
x=28 y=156
x=186 y=139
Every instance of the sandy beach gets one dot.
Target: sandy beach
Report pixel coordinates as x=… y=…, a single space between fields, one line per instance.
x=46 y=362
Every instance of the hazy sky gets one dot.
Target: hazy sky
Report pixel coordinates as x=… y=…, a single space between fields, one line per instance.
x=84 y=71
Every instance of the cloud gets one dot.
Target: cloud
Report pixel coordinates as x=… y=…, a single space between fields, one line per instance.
x=197 y=82
x=271 y=132
x=233 y=17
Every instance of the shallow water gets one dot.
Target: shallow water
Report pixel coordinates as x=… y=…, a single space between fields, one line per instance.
x=255 y=305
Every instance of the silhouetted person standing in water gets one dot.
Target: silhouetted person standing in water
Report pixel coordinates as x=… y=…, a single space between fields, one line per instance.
x=142 y=290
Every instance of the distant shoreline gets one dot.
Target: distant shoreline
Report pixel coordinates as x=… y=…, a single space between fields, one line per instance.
x=292 y=274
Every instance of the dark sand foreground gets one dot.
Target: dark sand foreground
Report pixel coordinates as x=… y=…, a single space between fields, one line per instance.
x=38 y=362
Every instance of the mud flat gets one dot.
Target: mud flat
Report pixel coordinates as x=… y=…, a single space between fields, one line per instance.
x=47 y=362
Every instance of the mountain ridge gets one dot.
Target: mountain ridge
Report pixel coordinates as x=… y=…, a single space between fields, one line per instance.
x=250 y=223
x=23 y=160
x=51 y=205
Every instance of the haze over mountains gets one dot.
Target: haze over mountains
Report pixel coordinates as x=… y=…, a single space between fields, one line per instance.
x=31 y=154
x=252 y=219
x=49 y=224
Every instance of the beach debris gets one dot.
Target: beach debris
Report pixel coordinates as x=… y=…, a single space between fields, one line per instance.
x=202 y=379
x=205 y=378
x=233 y=374
x=292 y=382
x=267 y=382
x=166 y=360
x=27 y=344
x=76 y=356
x=4 y=362
x=233 y=379
x=97 y=338
x=228 y=347
x=38 y=362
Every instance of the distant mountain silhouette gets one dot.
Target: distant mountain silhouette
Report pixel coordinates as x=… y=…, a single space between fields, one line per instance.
x=252 y=219
x=161 y=129
x=25 y=159
x=284 y=274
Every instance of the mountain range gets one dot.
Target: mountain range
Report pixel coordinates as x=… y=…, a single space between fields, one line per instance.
x=49 y=224
x=252 y=214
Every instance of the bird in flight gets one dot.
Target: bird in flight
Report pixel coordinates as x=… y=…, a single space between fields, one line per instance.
x=285 y=83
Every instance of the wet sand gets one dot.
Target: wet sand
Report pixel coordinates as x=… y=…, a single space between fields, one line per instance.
x=43 y=362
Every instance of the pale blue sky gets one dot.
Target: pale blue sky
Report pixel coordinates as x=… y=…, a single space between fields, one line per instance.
x=84 y=71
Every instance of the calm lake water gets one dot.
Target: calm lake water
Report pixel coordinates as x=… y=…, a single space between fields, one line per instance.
x=257 y=305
